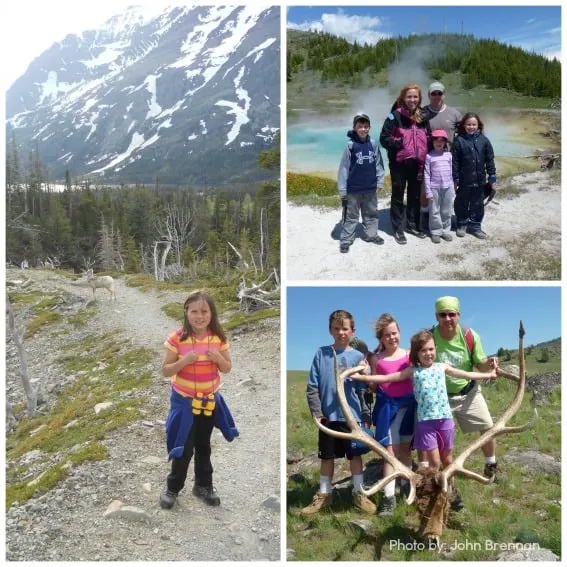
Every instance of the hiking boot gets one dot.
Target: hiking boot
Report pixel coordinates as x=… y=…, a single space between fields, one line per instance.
x=435 y=238
x=321 y=501
x=344 y=248
x=207 y=494
x=400 y=238
x=376 y=240
x=491 y=470
x=167 y=499
x=387 y=506
x=363 y=503
x=479 y=234
x=461 y=232
x=456 y=504
x=447 y=237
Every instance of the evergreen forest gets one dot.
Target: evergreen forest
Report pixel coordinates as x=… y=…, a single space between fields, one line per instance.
x=128 y=228
x=480 y=61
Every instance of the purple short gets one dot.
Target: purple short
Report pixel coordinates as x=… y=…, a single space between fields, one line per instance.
x=434 y=434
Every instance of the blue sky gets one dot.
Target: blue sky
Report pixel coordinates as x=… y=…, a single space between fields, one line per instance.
x=536 y=28
x=494 y=312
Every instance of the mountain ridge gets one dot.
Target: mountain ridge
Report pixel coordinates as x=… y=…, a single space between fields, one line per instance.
x=138 y=98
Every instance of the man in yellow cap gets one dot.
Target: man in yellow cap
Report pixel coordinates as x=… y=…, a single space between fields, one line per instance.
x=461 y=348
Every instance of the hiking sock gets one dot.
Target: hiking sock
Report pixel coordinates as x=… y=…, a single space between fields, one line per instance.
x=423 y=464
x=490 y=460
x=390 y=489
x=357 y=480
x=325 y=484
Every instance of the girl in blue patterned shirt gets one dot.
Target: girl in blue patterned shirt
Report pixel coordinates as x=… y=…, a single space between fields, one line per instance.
x=435 y=430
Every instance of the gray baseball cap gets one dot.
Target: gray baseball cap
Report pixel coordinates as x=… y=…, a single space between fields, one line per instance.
x=436 y=86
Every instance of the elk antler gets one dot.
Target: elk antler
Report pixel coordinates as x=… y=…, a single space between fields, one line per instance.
x=498 y=428
x=358 y=434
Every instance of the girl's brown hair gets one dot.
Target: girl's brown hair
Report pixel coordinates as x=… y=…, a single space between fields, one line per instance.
x=417 y=115
x=383 y=321
x=214 y=325
x=417 y=342
x=461 y=126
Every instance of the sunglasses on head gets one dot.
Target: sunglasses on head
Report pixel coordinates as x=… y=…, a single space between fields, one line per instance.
x=436 y=93
x=447 y=315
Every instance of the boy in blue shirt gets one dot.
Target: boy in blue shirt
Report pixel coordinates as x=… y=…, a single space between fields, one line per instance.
x=324 y=406
x=361 y=174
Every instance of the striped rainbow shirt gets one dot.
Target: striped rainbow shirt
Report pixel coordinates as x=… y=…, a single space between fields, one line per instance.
x=203 y=375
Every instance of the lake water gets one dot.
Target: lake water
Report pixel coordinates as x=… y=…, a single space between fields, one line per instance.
x=315 y=144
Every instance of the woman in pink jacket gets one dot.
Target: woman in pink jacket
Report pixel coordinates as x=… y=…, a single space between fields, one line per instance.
x=404 y=136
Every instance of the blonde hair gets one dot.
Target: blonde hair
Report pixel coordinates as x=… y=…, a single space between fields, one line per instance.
x=383 y=321
x=417 y=115
x=417 y=343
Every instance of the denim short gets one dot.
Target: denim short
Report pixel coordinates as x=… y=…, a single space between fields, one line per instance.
x=434 y=434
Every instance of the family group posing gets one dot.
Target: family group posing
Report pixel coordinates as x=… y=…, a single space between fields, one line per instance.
x=418 y=397
x=443 y=158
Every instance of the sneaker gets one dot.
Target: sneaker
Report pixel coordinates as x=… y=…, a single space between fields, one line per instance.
x=447 y=237
x=400 y=238
x=491 y=470
x=363 y=503
x=321 y=501
x=479 y=234
x=167 y=499
x=456 y=504
x=461 y=232
x=207 y=494
x=387 y=505
x=344 y=248
x=435 y=238
x=376 y=240
x=416 y=232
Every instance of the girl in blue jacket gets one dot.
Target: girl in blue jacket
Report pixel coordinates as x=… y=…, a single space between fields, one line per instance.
x=473 y=161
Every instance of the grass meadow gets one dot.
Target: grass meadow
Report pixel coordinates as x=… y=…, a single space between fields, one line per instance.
x=523 y=508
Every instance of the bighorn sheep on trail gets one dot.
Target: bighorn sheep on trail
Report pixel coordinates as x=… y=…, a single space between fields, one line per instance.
x=106 y=282
x=431 y=487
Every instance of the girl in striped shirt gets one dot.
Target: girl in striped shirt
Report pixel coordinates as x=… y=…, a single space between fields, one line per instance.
x=194 y=355
x=439 y=187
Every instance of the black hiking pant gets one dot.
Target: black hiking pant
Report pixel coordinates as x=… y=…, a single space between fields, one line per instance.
x=403 y=174
x=198 y=442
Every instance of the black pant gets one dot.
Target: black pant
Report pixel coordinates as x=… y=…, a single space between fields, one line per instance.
x=199 y=441
x=402 y=174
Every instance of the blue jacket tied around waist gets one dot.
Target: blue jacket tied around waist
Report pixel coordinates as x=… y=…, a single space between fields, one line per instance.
x=180 y=420
x=384 y=412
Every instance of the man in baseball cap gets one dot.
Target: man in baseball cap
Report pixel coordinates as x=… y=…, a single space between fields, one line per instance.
x=441 y=116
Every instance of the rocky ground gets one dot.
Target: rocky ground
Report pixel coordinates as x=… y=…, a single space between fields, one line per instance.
x=524 y=238
x=76 y=520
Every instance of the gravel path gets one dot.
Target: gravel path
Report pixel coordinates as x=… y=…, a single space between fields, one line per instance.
x=67 y=523
x=313 y=241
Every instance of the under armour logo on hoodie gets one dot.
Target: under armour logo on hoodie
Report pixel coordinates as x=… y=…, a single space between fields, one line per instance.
x=360 y=158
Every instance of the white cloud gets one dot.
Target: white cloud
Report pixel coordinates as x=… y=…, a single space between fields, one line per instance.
x=362 y=29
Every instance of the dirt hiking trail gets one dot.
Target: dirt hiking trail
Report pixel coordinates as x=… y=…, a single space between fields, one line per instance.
x=68 y=523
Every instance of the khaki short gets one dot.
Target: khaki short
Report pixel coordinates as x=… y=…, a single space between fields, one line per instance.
x=470 y=411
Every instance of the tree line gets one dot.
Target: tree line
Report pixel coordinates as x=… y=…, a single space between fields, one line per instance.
x=481 y=61
x=139 y=228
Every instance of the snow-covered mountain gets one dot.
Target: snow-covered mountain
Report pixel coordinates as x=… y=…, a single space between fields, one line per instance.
x=185 y=95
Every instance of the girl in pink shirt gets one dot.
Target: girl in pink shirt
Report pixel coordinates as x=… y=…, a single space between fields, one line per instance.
x=439 y=187
x=393 y=414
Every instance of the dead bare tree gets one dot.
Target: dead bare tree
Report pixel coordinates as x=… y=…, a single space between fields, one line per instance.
x=17 y=332
x=430 y=486
x=176 y=228
x=254 y=297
